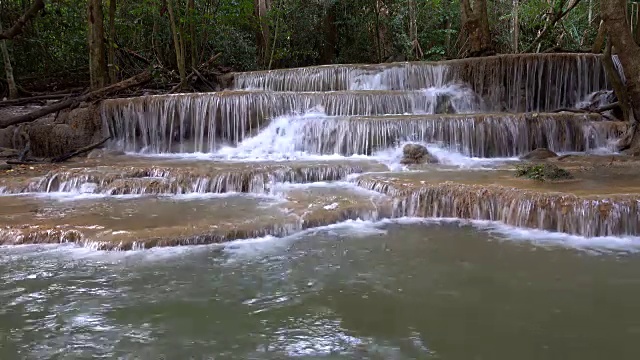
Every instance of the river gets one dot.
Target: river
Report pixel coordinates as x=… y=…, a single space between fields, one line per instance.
x=352 y=291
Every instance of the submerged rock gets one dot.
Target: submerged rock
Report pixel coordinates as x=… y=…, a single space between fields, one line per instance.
x=417 y=154
x=539 y=154
x=543 y=172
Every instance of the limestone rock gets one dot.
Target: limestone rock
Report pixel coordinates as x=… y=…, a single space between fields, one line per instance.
x=54 y=140
x=417 y=154
x=8 y=153
x=539 y=154
x=102 y=153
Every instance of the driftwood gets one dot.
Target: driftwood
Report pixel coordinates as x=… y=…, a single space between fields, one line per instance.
x=35 y=161
x=80 y=151
x=599 y=110
x=16 y=29
x=29 y=100
x=195 y=73
x=27 y=162
x=90 y=96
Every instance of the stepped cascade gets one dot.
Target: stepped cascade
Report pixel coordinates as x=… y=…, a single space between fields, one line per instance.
x=287 y=150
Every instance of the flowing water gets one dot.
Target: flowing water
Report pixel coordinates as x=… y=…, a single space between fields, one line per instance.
x=356 y=292
x=291 y=192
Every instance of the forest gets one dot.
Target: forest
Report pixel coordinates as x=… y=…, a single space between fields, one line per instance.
x=49 y=48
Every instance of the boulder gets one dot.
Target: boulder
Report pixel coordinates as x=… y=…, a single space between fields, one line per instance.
x=539 y=154
x=5 y=167
x=417 y=154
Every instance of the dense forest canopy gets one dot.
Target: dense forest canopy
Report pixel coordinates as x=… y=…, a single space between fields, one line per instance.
x=267 y=34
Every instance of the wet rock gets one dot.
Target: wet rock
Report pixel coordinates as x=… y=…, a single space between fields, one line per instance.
x=50 y=140
x=539 y=154
x=8 y=153
x=417 y=154
x=543 y=172
x=6 y=137
x=5 y=167
x=102 y=153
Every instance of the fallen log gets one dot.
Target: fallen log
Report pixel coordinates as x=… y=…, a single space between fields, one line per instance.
x=91 y=96
x=80 y=151
x=27 y=162
x=28 y=100
x=599 y=110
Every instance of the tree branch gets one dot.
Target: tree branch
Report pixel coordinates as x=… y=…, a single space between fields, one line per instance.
x=550 y=24
x=16 y=29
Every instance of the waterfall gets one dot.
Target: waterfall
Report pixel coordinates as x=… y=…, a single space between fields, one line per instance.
x=347 y=125
x=514 y=83
x=477 y=135
x=204 y=122
x=538 y=210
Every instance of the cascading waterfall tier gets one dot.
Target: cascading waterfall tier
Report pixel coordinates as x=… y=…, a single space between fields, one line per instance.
x=148 y=221
x=202 y=122
x=589 y=216
x=202 y=178
x=512 y=83
x=477 y=135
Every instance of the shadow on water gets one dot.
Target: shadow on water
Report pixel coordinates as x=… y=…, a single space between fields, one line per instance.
x=355 y=292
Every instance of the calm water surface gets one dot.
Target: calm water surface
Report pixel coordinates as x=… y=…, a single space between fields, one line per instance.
x=403 y=292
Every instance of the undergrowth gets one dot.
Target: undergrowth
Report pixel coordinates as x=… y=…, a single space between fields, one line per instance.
x=542 y=172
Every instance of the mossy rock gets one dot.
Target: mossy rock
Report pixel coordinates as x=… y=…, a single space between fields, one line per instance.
x=542 y=172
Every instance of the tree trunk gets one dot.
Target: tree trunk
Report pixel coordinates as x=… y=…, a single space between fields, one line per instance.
x=600 y=38
x=97 y=63
x=192 y=34
x=331 y=38
x=8 y=69
x=516 y=26
x=112 y=42
x=263 y=36
x=628 y=52
x=447 y=27
x=475 y=22
x=416 y=51
x=177 y=43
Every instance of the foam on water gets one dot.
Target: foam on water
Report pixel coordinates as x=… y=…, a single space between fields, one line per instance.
x=361 y=228
x=280 y=140
x=392 y=157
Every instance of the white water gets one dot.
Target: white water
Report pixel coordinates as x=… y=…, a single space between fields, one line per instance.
x=285 y=139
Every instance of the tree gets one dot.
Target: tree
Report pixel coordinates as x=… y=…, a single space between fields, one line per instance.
x=8 y=69
x=112 y=42
x=263 y=34
x=97 y=62
x=475 y=23
x=178 y=43
x=621 y=39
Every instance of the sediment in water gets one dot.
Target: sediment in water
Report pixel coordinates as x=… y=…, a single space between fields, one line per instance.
x=145 y=222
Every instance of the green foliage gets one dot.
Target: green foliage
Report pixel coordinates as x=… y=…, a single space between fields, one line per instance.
x=366 y=31
x=542 y=172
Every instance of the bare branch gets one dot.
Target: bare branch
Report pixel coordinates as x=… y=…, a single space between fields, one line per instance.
x=17 y=28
